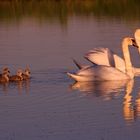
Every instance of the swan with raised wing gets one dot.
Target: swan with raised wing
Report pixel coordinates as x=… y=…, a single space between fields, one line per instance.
x=104 y=56
x=103 y=72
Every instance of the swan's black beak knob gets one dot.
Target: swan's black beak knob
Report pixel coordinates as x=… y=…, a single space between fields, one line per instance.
x=134 y=43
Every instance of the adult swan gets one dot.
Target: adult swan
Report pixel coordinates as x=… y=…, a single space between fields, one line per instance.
x=103 y=72
x=104 y=56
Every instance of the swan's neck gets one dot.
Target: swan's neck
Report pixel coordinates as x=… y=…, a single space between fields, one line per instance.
x=128 y=64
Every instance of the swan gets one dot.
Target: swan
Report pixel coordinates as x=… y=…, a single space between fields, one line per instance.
x=103 y=72
x=104 y=56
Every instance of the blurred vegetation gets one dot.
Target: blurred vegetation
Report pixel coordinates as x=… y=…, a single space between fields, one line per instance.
x=60 y=10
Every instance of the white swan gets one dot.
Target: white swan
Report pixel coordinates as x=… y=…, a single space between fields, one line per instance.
x=104 y=72
x=104 y=56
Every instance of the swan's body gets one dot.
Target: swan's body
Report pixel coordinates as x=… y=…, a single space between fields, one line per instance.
x=98 y=73
x=104 y=56
x=104 y=72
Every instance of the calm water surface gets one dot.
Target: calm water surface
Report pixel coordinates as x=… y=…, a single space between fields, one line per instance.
x=51 y=106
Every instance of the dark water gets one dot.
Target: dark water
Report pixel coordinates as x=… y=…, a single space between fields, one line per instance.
x=51 y=106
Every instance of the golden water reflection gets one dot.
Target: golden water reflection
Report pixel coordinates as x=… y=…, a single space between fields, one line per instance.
x=128 y=110
x=106 y=89
x=137 y=106
x=131 y=106
x=110 y=89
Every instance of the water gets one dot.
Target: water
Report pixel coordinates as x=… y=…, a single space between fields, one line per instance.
x=51 y=106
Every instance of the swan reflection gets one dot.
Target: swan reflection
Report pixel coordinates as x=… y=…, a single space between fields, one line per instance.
x=131 y=106
x=107 y=89
x=128 y=111
x=110 y=89
x=137 y=106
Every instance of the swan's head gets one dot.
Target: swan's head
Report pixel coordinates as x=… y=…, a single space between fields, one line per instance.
x=137 y=38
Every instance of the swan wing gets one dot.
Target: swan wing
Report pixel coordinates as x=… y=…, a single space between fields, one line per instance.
x=101 y=56
x=104 y=56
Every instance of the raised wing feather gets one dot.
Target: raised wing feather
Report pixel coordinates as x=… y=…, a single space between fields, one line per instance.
x=104 y=56
x=101 y=56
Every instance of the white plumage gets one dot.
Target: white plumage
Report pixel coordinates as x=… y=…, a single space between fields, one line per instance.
x=109 y=66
